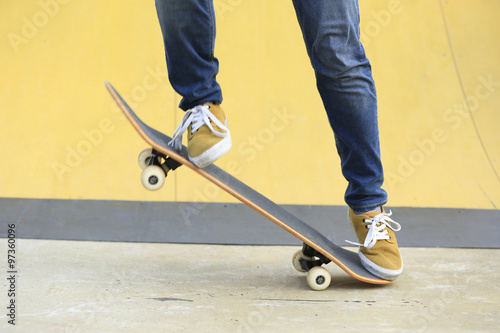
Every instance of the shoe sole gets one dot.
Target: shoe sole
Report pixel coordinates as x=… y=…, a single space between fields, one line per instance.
x=212 y=154
x=383 y=273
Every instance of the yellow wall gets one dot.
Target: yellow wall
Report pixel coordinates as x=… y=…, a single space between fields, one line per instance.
x=435 y=65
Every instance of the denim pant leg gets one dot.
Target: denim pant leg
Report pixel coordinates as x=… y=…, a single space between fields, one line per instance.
x=188 y=28
x=345 y=83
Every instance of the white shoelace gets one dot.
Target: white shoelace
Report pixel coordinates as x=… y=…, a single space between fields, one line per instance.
x=199 y=116
x=377 y=229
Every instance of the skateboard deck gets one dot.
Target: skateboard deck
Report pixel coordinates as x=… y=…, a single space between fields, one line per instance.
x=317 y=249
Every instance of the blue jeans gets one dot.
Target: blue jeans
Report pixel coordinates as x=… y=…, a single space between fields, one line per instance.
x=343 y=76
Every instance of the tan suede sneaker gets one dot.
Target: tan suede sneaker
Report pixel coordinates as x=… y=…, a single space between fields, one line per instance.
x=208 y=135
x=378 y=251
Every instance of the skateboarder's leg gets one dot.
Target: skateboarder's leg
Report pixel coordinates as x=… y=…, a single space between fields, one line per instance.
x=188 y=29
x=344 y=80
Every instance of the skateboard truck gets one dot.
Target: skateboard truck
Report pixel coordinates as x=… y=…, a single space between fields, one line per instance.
x=155 y=167
x=309 y=252
x=309 y=260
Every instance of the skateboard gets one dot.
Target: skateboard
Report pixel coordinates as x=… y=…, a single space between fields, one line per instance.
x=316 y=251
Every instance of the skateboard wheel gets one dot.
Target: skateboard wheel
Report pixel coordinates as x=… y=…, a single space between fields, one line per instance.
x=144 y=157
x=319 y=278
x=153 y=177
x=296 y=260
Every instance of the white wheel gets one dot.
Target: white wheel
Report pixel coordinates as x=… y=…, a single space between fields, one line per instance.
x=296 y=260
x=144 y=157
x=319 y=278
x=153 y=177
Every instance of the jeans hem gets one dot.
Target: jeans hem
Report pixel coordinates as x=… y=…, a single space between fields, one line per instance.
x=368 y=208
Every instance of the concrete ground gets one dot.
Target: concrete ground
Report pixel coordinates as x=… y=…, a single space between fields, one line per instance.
x=74 y=286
